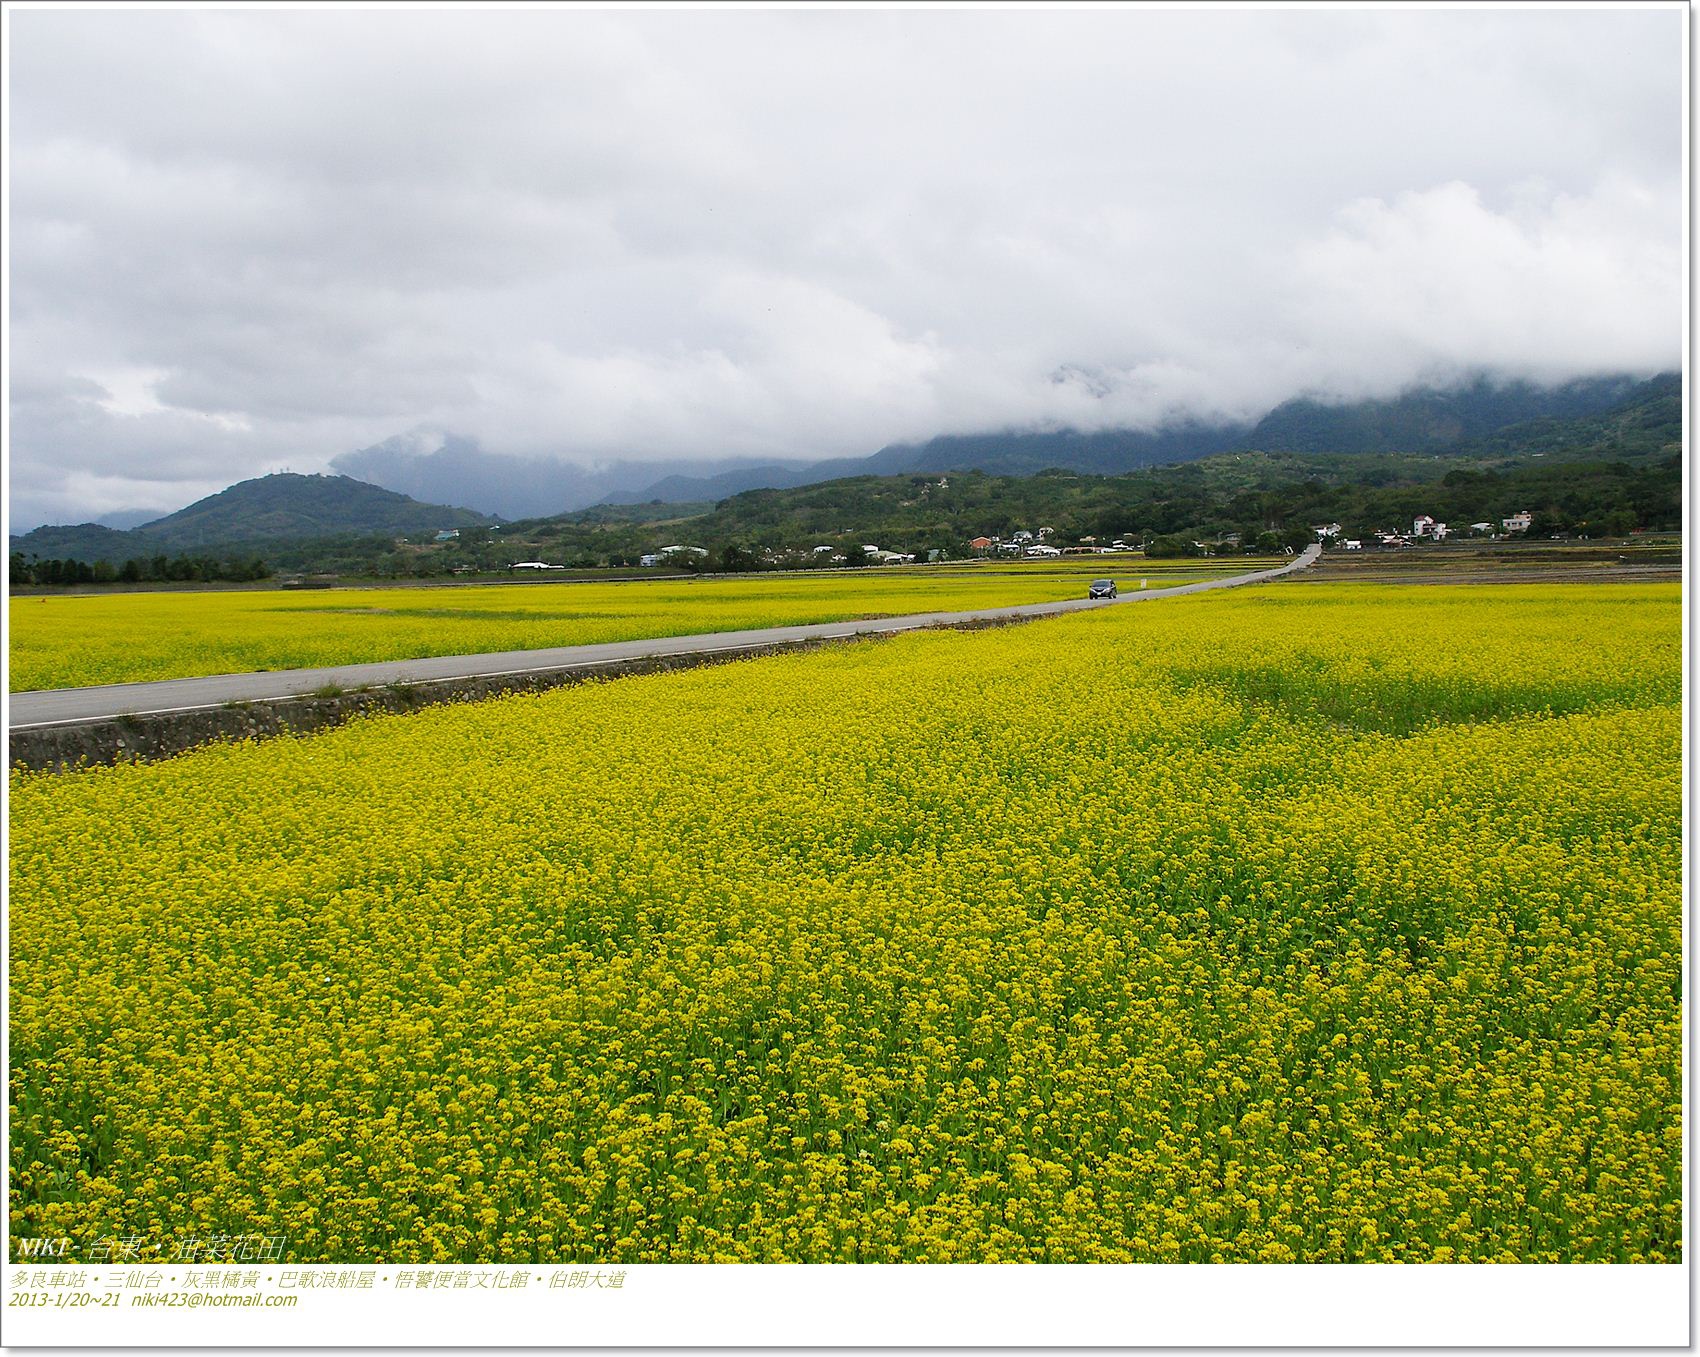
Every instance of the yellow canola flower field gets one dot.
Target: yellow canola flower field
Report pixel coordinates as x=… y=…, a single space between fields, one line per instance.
x=1323 y=924
x=79 y=640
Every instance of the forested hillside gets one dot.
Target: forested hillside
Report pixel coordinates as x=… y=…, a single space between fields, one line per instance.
x=1605 y=472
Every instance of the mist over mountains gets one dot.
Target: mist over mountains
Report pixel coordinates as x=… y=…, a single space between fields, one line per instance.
x=423 y=483
x=1612 y=425
x=453 y=469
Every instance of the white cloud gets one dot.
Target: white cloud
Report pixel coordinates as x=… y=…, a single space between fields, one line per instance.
x=1557 y=285
x=644 y=234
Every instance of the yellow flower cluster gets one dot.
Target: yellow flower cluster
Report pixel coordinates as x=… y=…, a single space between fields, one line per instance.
x=1323 y=924
x=71 y=641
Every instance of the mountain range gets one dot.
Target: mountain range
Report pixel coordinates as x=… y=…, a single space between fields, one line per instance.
x=281 y=507
x=413 y=490
x=460 y=471
x=1424 y=420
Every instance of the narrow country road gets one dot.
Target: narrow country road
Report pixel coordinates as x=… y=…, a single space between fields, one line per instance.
x=69 y=706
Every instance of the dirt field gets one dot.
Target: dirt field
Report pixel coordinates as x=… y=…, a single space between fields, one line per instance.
x=1502 y=563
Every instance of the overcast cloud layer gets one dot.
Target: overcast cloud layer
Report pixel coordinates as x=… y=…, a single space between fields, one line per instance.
x=248 y=240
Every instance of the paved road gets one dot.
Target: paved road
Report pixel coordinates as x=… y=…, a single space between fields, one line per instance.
x=69 y=706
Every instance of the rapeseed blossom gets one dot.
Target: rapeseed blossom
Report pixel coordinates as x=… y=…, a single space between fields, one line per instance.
x=1323 y=925
x=77 y=640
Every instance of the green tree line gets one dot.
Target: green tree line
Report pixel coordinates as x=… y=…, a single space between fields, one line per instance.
x=138 y=570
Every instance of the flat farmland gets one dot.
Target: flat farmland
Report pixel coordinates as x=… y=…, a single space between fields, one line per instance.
x=1506 y=563
x=1324 y=923
x=80 y=640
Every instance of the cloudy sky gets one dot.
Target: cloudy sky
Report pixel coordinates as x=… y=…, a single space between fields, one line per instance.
x=248 y=240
